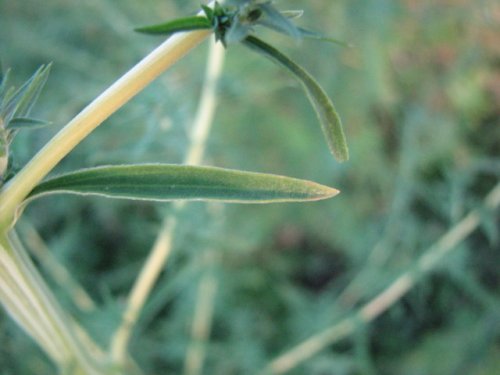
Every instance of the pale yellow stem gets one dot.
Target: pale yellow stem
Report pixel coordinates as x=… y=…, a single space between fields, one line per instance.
x=145 y=281
x=382 y=302
x=208 y=103
x=19 y=306
x=26 y=297
x=14 y=192
x=202 y=321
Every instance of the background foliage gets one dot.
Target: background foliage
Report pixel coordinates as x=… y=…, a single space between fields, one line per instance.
x=419 y=95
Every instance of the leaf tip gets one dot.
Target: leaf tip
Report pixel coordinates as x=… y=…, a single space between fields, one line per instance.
x=322 y=192
x=341 y=155
x=331 y=192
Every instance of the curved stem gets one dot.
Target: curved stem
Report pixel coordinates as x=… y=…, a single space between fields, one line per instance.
x=164 y=56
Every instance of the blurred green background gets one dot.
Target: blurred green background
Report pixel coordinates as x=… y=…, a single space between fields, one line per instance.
x=419 y=94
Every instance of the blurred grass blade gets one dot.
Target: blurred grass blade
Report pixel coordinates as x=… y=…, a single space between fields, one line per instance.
x=27 y=123
x=328 y=116
x=181 y=24
x=165 y=182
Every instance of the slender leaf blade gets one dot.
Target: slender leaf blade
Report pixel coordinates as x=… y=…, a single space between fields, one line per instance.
x=178 y=25
x=27 y=123
x=292 y=14
x=325 y=110
x=166 y=182
x=237 y=32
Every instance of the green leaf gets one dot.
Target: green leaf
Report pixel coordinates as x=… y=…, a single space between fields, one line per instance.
x=209 y=12
x=292 y=14
x=3 y=77
x=328 y=116
x=5 y=94
x=165 y=182
x=20 y=103
x=275 y=20
x=318 y=36
x=237 y=32
x=241 y=3
x=181 y=24
x=27 y=123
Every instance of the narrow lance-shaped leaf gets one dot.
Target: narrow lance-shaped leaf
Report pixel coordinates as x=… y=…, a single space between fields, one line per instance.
x=319 y=36
x=181 y=24
x=27 y=123
x=209 y=12
x=165 y=182
x=292 y=14
x=329 y=119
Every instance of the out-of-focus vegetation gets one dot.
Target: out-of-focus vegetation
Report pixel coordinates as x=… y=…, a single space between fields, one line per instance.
x=419 y=93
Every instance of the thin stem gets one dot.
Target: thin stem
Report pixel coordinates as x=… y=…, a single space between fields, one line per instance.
x=56 y=270
x=141 y=289
x=382 y=302
x=14 y=192
x=202 y=321
x=19 y=298
x=18 y=306
x=206 y=109
x=161 y=250
x=84 y=353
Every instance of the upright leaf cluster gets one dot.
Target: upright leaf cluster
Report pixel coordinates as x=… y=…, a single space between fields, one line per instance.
x=15 y=108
